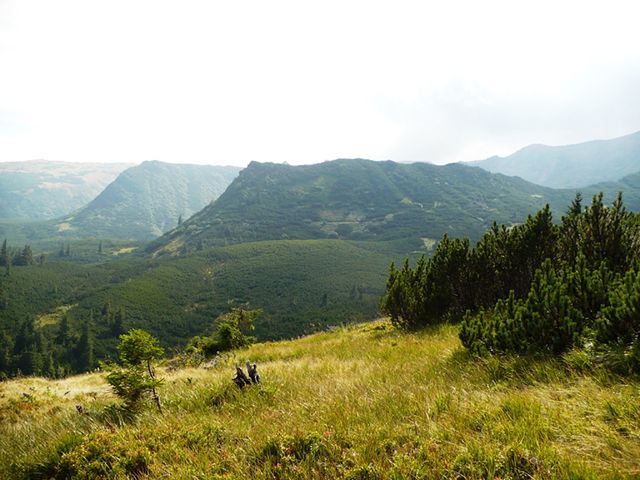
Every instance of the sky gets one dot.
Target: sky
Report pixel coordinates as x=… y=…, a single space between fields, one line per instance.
x=228 y=82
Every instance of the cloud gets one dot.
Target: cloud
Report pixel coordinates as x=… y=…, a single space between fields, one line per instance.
x=231 y=82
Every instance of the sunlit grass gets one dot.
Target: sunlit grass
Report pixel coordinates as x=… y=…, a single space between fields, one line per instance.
x=361 y=403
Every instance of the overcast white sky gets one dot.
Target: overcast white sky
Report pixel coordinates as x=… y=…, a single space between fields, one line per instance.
x=227 y=82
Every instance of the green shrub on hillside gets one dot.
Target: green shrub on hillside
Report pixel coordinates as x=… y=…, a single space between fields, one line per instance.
x=456 y=278
x=435 y=288
x=231 y=332
x=618 y=324
x=134 y=379
x=547 y=321
x=536 y=287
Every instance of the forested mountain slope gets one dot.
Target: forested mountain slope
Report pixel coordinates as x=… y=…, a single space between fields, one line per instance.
x=149 y=199
x=360 y=200
x=302 y=286
x=142 y=203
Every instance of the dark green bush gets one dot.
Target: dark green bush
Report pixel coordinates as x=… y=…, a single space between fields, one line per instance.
x=546 y=321
x=231 y=332
x=618 y=325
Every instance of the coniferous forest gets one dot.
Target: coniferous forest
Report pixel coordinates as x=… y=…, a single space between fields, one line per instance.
x=537 y=287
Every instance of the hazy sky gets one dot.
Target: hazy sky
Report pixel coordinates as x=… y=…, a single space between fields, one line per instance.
x=227 y=82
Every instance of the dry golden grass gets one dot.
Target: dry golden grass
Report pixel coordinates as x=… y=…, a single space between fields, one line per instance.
x=363 y=402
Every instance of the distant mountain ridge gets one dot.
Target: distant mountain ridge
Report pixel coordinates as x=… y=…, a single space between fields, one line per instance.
x=147 y=200
x=359 y=200
x=43 y=189
x=570 y=166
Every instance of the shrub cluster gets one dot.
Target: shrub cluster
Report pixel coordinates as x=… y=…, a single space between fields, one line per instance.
x=231 y=332
x=534 y=287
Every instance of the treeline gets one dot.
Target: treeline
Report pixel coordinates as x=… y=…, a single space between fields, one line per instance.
x=69 y=347
x=20 y=257
x=534 y=287
x=29 y=352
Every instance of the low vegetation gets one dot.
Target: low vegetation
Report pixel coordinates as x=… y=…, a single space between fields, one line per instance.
x=363 y=402
x=231 y=332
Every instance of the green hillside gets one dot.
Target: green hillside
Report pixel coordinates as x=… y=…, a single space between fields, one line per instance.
x=345 y=199
x=571 y=166
x=140 y=204
x=365 y=402
x=358 y=200
x=40 y=189
x=302 y=286
x=629 y=185
x=147 y=200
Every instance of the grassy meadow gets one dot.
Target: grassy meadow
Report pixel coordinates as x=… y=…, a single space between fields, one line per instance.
x=360 y=402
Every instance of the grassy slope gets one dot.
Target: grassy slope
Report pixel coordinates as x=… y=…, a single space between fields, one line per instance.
x=362 y=402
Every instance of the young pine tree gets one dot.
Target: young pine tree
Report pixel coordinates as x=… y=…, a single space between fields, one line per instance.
x=118 y=322
x=4 y=253
x=84 y=349
x=25 y=257
x=135 y=378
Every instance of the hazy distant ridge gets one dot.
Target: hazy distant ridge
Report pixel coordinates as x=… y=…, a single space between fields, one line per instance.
x=570 y=166
x=41 y=189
